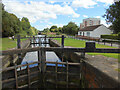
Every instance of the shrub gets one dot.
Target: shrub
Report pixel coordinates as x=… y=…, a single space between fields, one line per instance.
x=112 y=36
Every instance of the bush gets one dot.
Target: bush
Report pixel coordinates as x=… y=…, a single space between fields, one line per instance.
x=58 y=33
x=112 y=36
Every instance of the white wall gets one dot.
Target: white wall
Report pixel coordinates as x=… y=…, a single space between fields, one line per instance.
x=85 y=33
x=100 y=31
x=97 y=32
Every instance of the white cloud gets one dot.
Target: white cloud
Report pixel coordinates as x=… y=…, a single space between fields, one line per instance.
x=84 y=3
x=52 y=2
x=50 y=23
x=104 y=23
x=106 y=1
x=85 y=16
x=76 y=9
x=35 y=11
x=58 y=25
x=97 y=16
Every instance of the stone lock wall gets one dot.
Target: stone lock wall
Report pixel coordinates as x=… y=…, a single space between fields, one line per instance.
x=94 y=77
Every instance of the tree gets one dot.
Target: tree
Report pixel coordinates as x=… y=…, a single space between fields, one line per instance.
x=112 y=15
x=46 y=30
x=60 y=29
x=70 y=29
x=11 y=25
x=53 y=27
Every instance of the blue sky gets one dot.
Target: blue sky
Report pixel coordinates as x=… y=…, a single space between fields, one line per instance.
x=45 y=13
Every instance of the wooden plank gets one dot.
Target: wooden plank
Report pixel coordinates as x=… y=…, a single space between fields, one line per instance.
x=40 y=43
x=40 y=37
x=16 y=77
x=97 y=50
x=62 y=63
x=56 y=71
x=18 y=66
x=39 y=60
x=43 y=64
x=67 y=73
x=80 y=73
x=28 y=72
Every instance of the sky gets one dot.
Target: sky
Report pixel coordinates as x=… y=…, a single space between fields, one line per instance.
x=45 y=13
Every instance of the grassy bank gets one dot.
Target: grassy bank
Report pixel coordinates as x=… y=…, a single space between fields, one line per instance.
x=9 y=43
x=79 y=43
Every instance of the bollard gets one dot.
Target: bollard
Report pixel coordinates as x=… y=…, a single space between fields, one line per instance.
x=90 y=46
x=111 y=44
x=18 y=42
x=62 y=42
x=19 y=46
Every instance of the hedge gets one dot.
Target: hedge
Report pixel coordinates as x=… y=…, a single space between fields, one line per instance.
x=112 y=36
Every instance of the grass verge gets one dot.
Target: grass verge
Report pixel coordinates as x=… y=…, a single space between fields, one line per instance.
x=9 y=43
x=81 y=44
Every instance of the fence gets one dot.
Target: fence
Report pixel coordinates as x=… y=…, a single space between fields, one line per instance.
x=99 y=40
x=90 y=47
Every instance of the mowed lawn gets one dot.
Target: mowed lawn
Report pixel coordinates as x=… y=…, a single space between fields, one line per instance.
x=81 y=44
x=8 y=43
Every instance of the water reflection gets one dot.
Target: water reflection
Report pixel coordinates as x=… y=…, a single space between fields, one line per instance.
x=32 y=56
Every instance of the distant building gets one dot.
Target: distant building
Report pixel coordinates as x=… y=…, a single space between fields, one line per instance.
x=90 y=22
x=94 y=31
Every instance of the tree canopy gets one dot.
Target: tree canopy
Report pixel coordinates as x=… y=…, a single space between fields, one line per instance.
x=112 y=15
x=11 y=25
x=70 y=29
x=53 y=28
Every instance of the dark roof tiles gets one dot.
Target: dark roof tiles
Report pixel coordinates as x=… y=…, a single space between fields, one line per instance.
x=89 y=28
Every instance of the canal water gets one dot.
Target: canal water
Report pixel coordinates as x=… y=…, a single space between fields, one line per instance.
x=33 y=56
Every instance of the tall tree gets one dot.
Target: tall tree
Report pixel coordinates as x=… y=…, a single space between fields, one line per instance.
x=70 y=29
x=112 y=15
x=26 y=25
x=53 y=28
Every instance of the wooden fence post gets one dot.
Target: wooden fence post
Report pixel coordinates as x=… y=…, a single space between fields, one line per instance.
x=67 y=74
x=18 y=42
x=16 y=78
x=11 y=61
x=19 y=46
x=45 y=39
x=62 y=42
x=56 y=72
x=43 y=64
x=43 y=67
x=39 y=60
x=33 y=39
x=104 y=41
x=28 y=72
x=30 y=39
x=39 y=41
x=98 y=41
x=111 y=44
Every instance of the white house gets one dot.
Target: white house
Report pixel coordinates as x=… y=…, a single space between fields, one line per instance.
x=94 y=31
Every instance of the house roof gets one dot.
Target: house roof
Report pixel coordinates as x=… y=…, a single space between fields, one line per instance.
x=89 y=28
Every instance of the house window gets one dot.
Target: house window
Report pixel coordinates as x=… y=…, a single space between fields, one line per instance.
x=83 y=33
x=80 y=33
x=88 y=33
